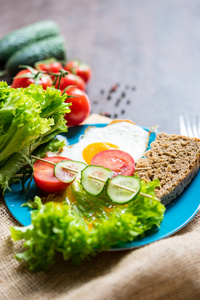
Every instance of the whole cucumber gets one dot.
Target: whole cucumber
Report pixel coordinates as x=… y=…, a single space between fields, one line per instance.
x=53 y=47
x=21 y=37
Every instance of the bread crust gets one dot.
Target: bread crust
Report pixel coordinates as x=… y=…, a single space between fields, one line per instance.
x=174 y=160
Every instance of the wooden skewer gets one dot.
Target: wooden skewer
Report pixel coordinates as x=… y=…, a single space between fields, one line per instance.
x=132 y=190
x=44 y=160
x=125 y=188
x=117 y=185
x=97 y=178
x=18 y=175
x=145 y=168
x=52 y=163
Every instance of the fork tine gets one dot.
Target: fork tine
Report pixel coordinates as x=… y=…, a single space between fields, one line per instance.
x=195 y=126
x=183 y=128
x=190 y=126
x=198 y=126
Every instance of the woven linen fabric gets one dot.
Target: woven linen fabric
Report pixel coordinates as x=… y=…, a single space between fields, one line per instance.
x=166 y=269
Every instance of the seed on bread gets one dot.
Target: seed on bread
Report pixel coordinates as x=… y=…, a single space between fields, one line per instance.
x=174 y=159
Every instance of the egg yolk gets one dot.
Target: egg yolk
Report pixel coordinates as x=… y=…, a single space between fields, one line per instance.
x=94 y=148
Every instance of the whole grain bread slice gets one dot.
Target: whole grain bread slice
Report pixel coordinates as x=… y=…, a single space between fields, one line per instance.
x=174 y=160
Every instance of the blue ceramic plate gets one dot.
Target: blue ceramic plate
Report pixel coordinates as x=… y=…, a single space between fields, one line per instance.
x=177 y=215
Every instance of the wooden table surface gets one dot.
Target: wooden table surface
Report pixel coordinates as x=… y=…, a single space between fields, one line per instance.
x=151 y=48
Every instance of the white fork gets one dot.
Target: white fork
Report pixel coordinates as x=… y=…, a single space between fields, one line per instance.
x=190 y=126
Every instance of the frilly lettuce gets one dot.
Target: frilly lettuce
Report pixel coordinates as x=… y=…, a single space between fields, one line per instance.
x=29 y=117
x=63 y=228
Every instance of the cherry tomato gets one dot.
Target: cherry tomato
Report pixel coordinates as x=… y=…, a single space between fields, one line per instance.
x=18 y=82
x=79 y=68
x=44 y=176
x=71 y=79
x=120 y=162
x=49 y=65
x=80 y=108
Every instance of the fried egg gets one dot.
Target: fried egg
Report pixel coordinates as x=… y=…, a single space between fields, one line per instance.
x=122 y=135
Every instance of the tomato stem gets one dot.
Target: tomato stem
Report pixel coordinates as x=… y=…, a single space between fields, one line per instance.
x=62 y=73
x=36 y=76
x=68 y=87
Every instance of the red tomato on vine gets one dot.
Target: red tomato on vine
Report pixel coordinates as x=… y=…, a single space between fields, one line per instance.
x=28 y=76
x=79 y=68
x=49 y=65
x=80 y=108
x=71 y=79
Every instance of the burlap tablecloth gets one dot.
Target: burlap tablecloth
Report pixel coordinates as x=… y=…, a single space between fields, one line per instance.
x=167 y=269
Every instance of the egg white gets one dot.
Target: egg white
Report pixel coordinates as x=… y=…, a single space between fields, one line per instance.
x=127 y=136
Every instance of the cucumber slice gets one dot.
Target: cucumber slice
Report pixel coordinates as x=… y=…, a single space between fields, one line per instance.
x=91 y=185
x=64 y=170
x=122 y=189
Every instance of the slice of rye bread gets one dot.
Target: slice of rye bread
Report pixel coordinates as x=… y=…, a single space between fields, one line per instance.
x=174 y=160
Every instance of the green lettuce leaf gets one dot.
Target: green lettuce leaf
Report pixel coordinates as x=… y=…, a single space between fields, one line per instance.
x=29 y=117
x=52 y=146
x=64 y=228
